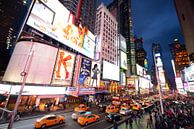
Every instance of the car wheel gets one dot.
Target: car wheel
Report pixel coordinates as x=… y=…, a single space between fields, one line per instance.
x=86 y=123
x=60 y=122
x=43 y=126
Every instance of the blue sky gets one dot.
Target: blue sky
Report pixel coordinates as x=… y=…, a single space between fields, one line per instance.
x=156 y=21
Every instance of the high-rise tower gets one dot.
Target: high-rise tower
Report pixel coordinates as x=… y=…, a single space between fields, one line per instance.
x=121 y=10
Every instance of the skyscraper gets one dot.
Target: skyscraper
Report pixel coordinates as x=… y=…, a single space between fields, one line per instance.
x=84 y=10
x=140 y=51
x=185 y=9
x=121 y=10
x=13 y=14
x=179 y=55
x=106 y=29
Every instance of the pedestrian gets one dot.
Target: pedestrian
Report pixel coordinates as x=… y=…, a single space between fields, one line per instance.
x=127 y=124
x=131 y=123
x=115 y=125
x=149 y=123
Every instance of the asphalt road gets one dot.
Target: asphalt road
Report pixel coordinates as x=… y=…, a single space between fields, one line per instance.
x=70 y=124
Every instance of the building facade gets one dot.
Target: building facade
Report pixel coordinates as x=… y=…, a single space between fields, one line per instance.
x=106 y=29
x=84 y=10
x=121 y=10
x=185 y=14
x=179 y=55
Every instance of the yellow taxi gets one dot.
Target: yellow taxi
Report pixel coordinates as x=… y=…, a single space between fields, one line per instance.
x=111 y=109
x=124 y=105
x=87 y=119
x=136 y=107
x=49 y=120
x=81 y=107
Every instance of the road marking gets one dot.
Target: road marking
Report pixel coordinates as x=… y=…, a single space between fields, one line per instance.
x=95 y=123
x=22 y=126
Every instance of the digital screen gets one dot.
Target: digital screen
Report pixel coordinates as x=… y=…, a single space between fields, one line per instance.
x=53 y=19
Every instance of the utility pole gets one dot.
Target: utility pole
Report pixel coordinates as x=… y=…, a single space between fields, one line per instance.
x=24 y=74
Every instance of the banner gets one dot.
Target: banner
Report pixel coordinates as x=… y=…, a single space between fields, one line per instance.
x=63 y=68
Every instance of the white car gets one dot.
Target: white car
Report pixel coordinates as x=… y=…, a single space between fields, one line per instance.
x=75 y=115
x=125 y=111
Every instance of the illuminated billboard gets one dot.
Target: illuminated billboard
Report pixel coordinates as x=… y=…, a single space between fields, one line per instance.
x=89 y=73
x=123 y=45
x=158 y=60
x=53 y=19
x=41 y=66
x=189 y=73
x=63 y=68
x=110 y=71
x=123 y=60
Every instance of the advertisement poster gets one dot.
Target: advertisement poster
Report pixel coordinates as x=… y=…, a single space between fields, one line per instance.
x=63 y=68
x=85 y=72
x=41 y=66
x=95 y=75
x=89 y=73
x=53 y=19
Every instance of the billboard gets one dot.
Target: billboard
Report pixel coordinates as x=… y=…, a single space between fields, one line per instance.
x=179 y=83
x=123 y=60
x=110 y=71
x=141 y=71
x=53 y=19
x=89 y=73
x=63 y=68
x=189 y=73
x=41 y=66
x=158 y=60
x=123 y=45
x=123 y=79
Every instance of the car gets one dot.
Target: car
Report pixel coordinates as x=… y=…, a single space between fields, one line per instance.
x=111 y=109
x=113 y=117
x=125 y=111
x=87 y=119
x=75 y=115
x=49 y=120
x=124 y=105
x=102 y=107
x=81 y=107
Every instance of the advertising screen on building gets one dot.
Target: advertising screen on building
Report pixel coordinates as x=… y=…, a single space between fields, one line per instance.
x=141 y=71
x=89 y=73
x=123 y=60
x=123 y=79
x=158 y=60
x=110 y=71
x=189 y=73
x=41 y=66
x=179 y=83
x=53 y=19
x=63 y=68
x=161 y=76
x=123 y=45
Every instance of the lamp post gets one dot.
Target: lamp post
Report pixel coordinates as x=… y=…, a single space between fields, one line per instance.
x=24 y=75
x=159 y=85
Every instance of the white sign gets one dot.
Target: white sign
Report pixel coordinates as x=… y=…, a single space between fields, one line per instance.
x=179 y=83
x=123 y=60
x=110 y=71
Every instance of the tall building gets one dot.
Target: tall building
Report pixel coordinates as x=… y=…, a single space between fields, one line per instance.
x=140 y=51
x=13 y=14
x=179 y=55
x=106 y=29
x=121 y=10
x=84 y=10
x=158 y=65
x=185 y=9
